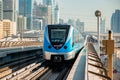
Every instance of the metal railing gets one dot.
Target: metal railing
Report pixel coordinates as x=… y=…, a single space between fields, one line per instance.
x=5 y=44
x=94 y=65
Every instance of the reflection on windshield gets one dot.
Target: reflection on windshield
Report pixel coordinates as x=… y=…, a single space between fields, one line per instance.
x=58 y=35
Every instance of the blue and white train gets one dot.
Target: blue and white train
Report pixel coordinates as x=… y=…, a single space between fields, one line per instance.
x=61 y=42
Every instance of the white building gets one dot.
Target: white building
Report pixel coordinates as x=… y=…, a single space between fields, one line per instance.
x=38 y=24
x=56 y=15
x=21 y=23
x=102 y=26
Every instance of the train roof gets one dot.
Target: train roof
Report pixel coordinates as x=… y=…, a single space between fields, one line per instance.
x=58 y=25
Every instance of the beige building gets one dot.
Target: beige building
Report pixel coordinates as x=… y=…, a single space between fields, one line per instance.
x=7 y=28
x=49 y=21
x=1 y=29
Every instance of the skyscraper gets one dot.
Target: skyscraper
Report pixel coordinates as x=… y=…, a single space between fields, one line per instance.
x=56 y=15
x=48 y=2
x=21 y=23
x=80 y=25
x=115 y=21
x=42 y=16
x=102 y=26
x=1 y=9
x=51 y=3
x=26 y=9
x=9 y=10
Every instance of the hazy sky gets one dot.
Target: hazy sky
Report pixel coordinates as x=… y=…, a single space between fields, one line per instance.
x=85 y=9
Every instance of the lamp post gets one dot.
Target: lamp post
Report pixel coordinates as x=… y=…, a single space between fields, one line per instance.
x=98 y=15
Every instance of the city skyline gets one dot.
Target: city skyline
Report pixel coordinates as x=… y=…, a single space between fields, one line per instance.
x=84 y=10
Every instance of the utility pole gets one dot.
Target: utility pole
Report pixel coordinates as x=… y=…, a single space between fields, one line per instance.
x=98 y=15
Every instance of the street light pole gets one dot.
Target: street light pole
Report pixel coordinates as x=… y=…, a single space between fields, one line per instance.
x=98 y=15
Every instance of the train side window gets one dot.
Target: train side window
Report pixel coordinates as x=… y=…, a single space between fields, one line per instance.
x=72 y=44
x=73 y=40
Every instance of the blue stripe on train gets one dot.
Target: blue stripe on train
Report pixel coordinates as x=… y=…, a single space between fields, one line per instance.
x=62 y=50
x=77 y=46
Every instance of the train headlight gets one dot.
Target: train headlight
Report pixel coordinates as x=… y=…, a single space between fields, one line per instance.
x=49 y=47
x=65 y=47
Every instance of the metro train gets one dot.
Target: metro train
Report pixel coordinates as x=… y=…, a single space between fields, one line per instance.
x=61 y=42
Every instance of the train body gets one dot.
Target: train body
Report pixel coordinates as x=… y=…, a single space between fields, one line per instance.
x=61 y=42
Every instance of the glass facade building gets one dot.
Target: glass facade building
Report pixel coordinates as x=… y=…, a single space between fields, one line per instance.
x=115 y=21
x=9 y=10
x=26 y=9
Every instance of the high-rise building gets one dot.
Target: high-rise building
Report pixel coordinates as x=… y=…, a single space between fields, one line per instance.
x=102 y=26
x=56 y=15
x=49 y=15
x=26 y=9
x=41 y=15
x=1 y=29
x=37 y=18
x=21 y=24
x=115 y=21
x=10 y=15
x=80 y=25
x=71 y=22
x=38 y=24
x=51 y=3
x=40 y=1
x=9 y=10
x=48 y=2
x=1 y=9
x=61 y=21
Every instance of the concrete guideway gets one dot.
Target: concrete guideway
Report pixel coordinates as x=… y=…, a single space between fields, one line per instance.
x=4 y=52
x=8 y=47
x=78 y=70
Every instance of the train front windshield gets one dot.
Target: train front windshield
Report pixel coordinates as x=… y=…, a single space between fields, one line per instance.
x=58 y=35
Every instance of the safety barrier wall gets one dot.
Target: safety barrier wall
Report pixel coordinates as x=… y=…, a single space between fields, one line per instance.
x=5 y=44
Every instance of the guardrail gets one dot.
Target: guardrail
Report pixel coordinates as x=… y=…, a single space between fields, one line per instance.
x=88 y=65
x=5 y=44
x=95 y=68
